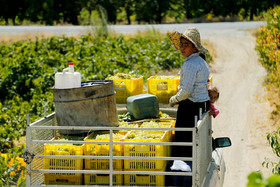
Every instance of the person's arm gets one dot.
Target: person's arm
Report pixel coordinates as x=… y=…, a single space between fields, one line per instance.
x=189 y=72
x=213 y=111
x=216 y=112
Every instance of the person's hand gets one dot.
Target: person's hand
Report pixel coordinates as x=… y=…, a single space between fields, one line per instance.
x=211 y=112
x=173 y=101
x=172 y=104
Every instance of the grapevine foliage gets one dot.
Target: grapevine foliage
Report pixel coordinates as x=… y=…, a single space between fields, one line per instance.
x=268 y=47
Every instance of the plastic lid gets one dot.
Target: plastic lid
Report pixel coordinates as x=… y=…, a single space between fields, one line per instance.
x=70 y=63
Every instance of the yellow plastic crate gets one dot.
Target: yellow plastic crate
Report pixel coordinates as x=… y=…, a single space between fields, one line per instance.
x=172 y=121
x=163 y=88
x=167 y=124
x=170 y=134
x=63 y=163
x=144 y=180
x=102 y=150
x=146 y=151
x=63 y=180
x=127 y=87
x=102 y=179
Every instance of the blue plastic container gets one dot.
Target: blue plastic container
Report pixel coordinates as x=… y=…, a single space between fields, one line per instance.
x=143 y=106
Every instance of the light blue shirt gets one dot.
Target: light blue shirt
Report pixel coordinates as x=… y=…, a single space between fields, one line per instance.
x=194 y=76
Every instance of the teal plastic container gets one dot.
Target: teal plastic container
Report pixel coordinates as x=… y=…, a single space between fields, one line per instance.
x=143 y=106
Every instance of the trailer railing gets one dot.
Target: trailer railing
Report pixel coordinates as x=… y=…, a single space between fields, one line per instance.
x=42 y=131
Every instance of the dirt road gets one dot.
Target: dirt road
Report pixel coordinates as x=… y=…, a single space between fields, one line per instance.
x=244 y=108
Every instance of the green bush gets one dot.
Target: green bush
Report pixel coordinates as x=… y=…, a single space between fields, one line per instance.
x=256 y=180
x=12 y=169
x=274 y=141
x=268 y=47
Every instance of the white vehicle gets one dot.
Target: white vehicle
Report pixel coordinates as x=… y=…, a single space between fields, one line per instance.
x=208 y=166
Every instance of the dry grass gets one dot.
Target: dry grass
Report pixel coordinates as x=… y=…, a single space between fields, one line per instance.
x=274 y=100
x=212 y=50
x=21 y=141
x=10 y=38
x=254 y=32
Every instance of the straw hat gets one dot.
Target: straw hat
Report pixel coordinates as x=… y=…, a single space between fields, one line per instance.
x=191 y=34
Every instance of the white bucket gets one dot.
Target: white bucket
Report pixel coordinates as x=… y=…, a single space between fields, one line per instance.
x=68 y=78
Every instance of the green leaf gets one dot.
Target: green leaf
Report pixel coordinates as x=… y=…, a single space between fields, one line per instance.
x=255 y=180
x=274 y=181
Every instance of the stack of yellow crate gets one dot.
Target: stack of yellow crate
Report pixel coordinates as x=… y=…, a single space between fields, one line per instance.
x=63 y=163
x=98 y=149
x=146 y=151
x=103 y=164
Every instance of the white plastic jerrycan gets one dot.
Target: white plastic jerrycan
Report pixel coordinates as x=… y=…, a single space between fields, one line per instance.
x=68 y=78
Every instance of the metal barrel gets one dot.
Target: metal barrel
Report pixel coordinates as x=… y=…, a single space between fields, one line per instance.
x=93 y=104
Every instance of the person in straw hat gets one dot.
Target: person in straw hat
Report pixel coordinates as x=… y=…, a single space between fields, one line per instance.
x=192 y=92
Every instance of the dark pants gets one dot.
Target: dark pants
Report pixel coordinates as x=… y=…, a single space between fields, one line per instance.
x=175 y=181
x=186 y=113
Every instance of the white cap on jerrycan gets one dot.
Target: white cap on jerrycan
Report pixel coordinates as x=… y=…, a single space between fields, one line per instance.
x=68 y=78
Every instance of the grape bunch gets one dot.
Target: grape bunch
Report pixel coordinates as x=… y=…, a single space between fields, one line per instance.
x=116 y=136
x=166 y=77
x=144 y=135
x=122 y=76
x=153 y=124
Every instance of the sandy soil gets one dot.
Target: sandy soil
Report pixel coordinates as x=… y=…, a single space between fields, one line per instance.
x=244 y=108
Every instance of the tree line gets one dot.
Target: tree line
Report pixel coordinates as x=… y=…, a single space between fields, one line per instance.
x=51 y=12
